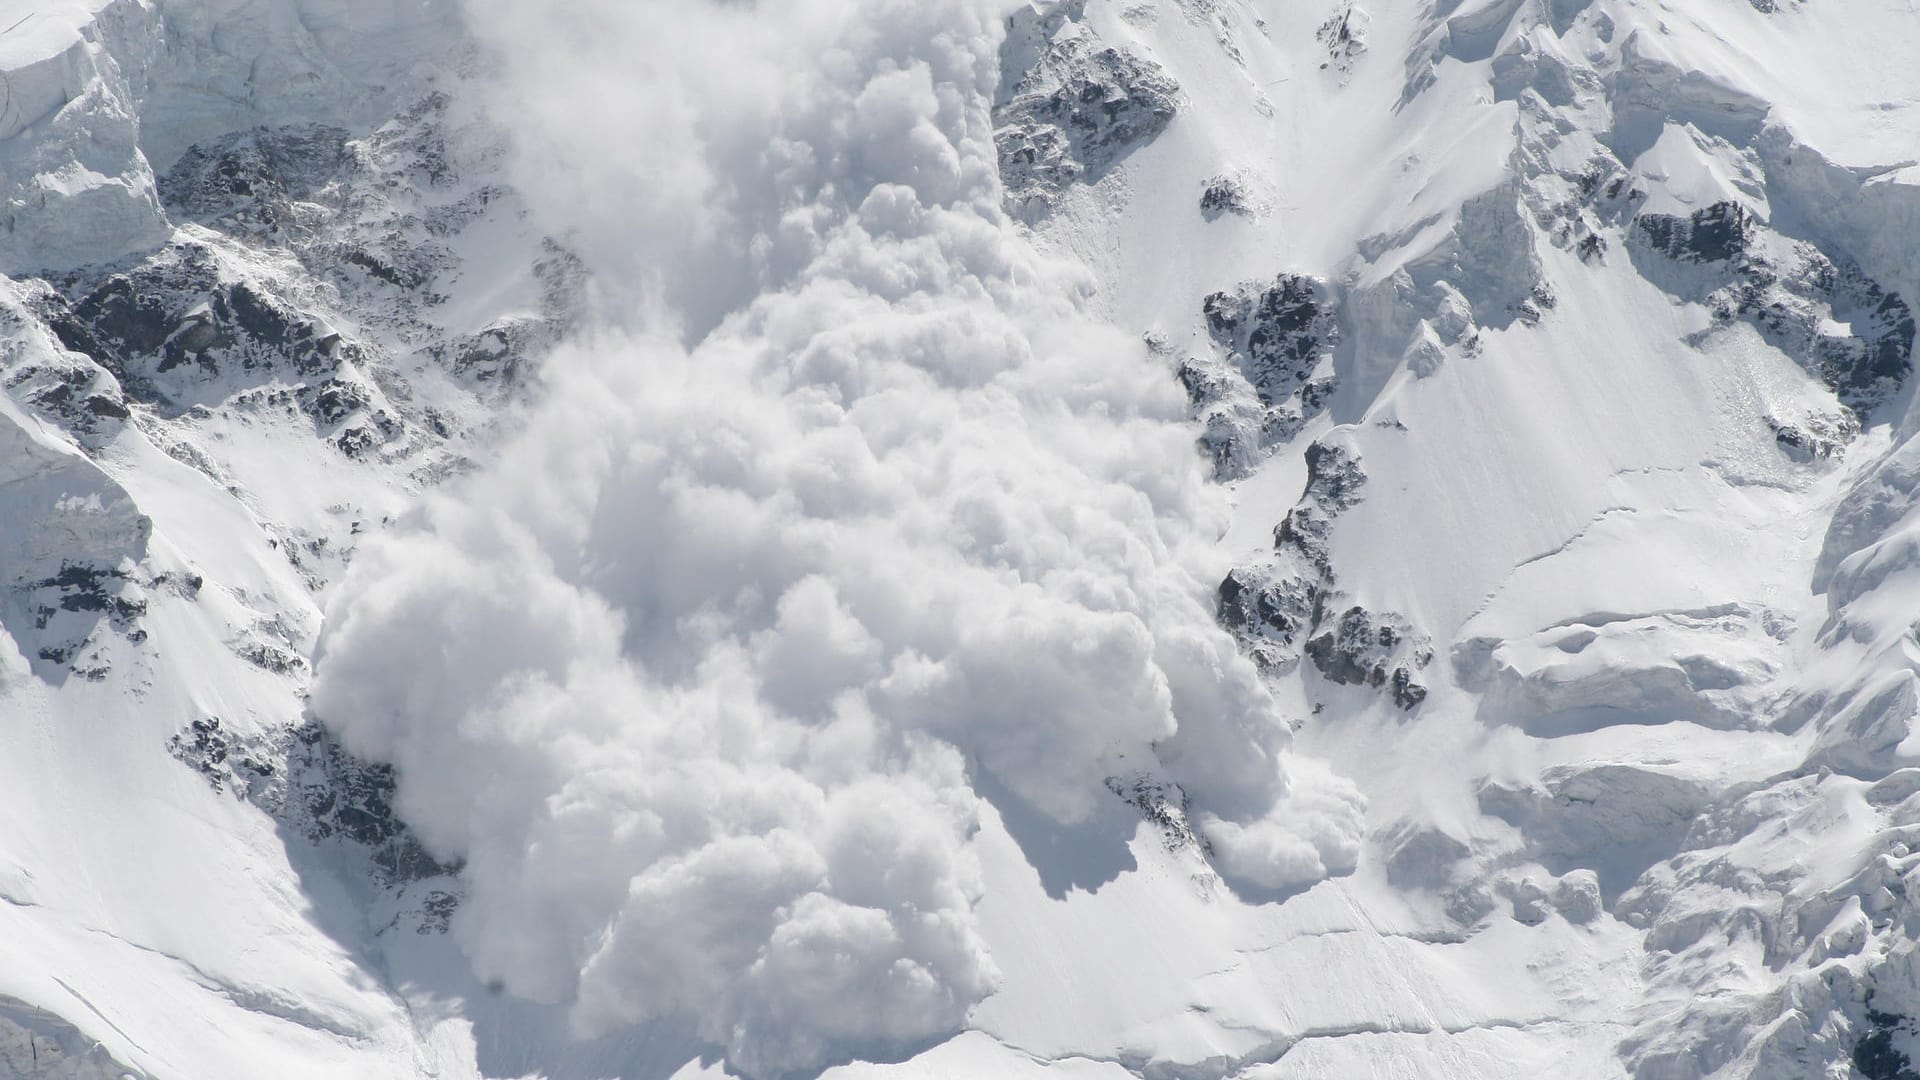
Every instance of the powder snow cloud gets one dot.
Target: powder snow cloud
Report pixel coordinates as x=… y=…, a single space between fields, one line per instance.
x=845 y=498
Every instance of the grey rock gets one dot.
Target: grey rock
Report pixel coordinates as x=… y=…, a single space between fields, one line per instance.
x=1281 y=606
x=1277 y=372
x=1076 y=108
x=1791 y=291
x=1224 y=195
x=1362 y=648
x=326 y=797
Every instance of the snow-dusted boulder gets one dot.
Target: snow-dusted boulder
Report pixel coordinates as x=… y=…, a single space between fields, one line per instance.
x=1072 y=105
x=1362 y=648
x=1277 y=373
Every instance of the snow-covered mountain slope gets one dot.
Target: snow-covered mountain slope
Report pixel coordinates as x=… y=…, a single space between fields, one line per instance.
x=221 y=374
x=919 y=538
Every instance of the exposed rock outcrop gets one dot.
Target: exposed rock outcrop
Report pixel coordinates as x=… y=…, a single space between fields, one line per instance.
x=1840 y=325
x=1286 y=604
x=1072 y=106
x=1277 y=374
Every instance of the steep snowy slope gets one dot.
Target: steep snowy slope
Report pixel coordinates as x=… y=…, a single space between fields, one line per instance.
x=1173 y=538
x=220 y=373
x=1614 y=288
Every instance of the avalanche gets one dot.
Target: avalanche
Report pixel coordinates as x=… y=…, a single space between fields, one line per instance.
x=1078 y=538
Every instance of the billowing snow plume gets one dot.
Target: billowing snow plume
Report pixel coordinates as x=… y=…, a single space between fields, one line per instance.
x=849 y=501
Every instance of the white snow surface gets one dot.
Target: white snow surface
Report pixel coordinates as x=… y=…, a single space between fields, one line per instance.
x=782 y=582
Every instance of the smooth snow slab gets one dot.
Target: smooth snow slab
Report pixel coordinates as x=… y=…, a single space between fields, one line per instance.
x=32 y=31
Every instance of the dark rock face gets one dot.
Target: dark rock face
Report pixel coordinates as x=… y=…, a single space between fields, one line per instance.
x=1165 y=805
x=70 y=608
x=320 y=793
x=301 y=230
x=371 y=218
x=1265 y=610
x=1875 y=1057
x=1720 y=232
x=1364 y=649
x=331 y=794
x=73 y=580
x=177 y=328
x=182 y=330
x=251 y=182
x=1224 y=195
x=1281 y=606
x=1234 y=435
x=1273 y=606
x=1277 y=374
x=1277 y=336
x=1864 y=367
x=1075 y=108
x=1334 y=480
x=68 y=392
x=1344 y=39
x=1792 y=292
x=207 y=748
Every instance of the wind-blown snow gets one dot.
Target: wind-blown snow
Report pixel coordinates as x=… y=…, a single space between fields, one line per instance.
x=736 y=624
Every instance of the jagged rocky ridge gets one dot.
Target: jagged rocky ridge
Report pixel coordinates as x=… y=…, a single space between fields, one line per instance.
x=1288 y=603
x=289 y=233
x=298 y=287
x=1072 y=106
x=1279 y=343
x=1841 y=325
